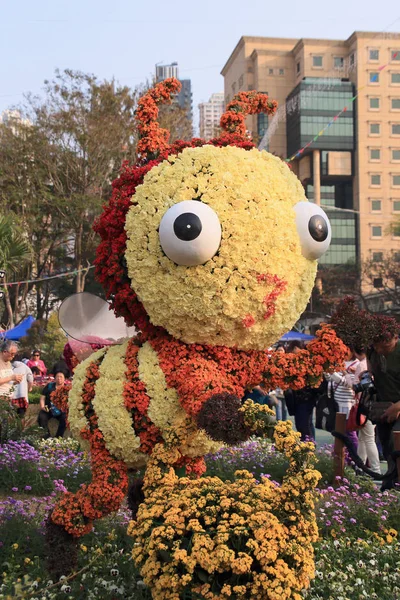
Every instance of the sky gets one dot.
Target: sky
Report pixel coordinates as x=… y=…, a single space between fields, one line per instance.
x=125 y=39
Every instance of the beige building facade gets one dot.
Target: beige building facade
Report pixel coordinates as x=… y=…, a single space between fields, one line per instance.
x=210 y=114
x=353 y=170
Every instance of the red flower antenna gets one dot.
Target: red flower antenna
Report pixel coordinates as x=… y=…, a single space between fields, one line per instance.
x=245 y=103
x=153 y=138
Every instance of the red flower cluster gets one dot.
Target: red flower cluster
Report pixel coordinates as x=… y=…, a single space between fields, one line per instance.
x=60 y=398
x=76 y=512
x=359 y=328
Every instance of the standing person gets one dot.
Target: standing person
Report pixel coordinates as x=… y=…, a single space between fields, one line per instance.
x=343 y=392
x=35 y=361
x=8 y=349
x=20 y=397
x=48 y=410
x=367 y=448
x=301 y=403
x=278 y=397
x=384 y=364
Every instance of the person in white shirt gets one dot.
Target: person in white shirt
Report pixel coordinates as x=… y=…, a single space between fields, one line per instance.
x=342 y=385
x=20 y=398
x=366 y=436
x=8 y=349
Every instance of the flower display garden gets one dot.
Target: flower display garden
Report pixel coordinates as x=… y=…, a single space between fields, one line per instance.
x=356 y=554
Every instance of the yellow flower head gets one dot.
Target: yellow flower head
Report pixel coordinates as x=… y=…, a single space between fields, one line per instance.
x=221 y=246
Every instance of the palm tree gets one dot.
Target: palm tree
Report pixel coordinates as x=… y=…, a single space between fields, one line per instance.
x=15 y=253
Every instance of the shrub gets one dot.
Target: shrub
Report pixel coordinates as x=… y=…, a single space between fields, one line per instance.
x=10 y=423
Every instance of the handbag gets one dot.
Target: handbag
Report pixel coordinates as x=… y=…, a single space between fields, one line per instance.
x=356 y=420
x=376 y=411
x=326 y=409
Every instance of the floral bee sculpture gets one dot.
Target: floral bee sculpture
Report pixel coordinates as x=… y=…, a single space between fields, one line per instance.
x=209 y=249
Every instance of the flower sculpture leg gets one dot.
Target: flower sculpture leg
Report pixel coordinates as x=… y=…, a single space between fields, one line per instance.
x=215 y=539
x=76 y=512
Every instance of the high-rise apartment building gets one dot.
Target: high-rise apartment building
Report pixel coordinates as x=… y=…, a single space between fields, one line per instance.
x=353 y=170
x=210 y=114
x=185 y=96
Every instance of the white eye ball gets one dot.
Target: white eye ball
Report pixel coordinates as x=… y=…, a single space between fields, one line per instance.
x=190 y=233
x=314 y=229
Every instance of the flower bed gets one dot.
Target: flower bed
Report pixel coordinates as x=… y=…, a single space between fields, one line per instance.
x=357 y=554
x=25 y=468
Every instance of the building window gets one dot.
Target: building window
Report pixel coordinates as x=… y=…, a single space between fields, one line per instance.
x=376 y=205
x=396 y=180
x=374 y=77
x=376 y=231
x=378 y=282
x=375 y=154
x=298 y=68
x=395 y=55
x=281 y=71
x=234 y=87
x=375 y=180
x=395 y=128
x=374 y=103
x=352 y=60
x=395 y=103
x=374 y=128
x=270 y=71
x=374 y=55
x=377 y=257
x=338 y=62
x=395 y=154
x=241 y=79
x=395 y=77
x=396 y=205
x=317 y=62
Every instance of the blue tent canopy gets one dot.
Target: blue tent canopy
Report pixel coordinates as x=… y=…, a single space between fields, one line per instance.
x=19 y=331
x=296 y=335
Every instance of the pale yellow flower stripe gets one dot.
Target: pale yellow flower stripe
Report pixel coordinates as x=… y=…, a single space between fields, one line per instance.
x=76 y=415
x=114 y=421
x=164 y=409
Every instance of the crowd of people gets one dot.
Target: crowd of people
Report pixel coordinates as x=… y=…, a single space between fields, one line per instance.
x=19 y=373
x=373 y=443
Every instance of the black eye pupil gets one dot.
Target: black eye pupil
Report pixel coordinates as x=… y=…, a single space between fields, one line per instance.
x=187 y=227
x=318 y=228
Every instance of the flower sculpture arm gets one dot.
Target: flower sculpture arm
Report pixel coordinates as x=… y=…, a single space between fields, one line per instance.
x=325 y=354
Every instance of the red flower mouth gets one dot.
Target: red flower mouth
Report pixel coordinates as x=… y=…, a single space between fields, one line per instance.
x=279 y=286
x=271 y=298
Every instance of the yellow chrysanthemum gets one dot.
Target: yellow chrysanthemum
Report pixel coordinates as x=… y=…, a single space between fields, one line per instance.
x=258 y=283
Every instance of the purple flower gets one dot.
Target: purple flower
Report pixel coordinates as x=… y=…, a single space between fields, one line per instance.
x=14 y=489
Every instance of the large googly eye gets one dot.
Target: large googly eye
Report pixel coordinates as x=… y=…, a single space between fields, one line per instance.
x=190 y=233
x=314 y=229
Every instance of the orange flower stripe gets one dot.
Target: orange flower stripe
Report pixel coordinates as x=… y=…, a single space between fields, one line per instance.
x=137 y=401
